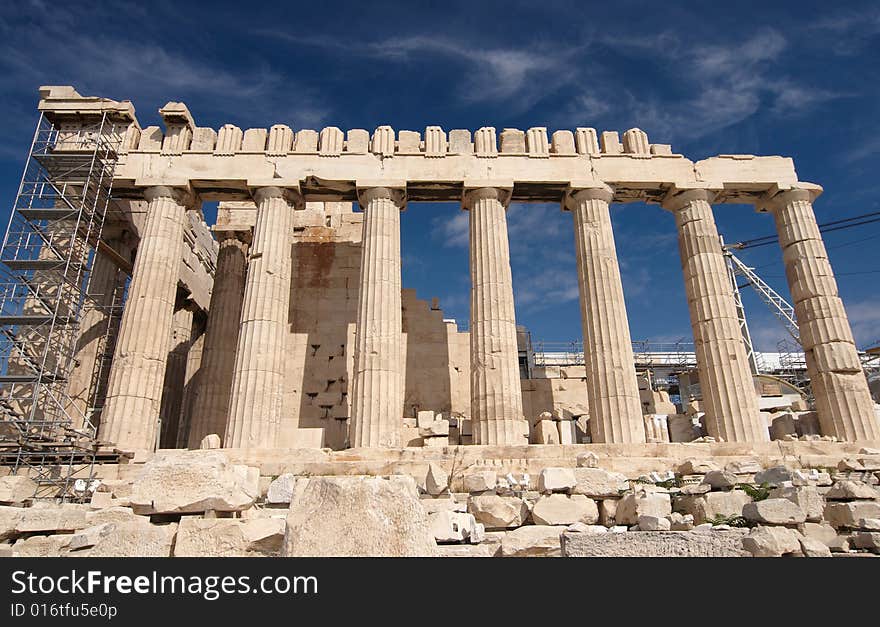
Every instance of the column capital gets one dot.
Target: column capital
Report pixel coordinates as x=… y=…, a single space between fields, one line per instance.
x=223 y=235
x=184 y=196
x=290 y=194
x=394 y=191
x=778 y=196
x=679 y=196
x=478 y=190
x=580 y=191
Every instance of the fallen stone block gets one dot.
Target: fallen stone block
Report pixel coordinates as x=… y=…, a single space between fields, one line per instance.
x=448 y=526
x=444 y=503
x=720 y=479
x=42 y=546
x=772 y=542
x=498 y=512
x=51 y=518
x=806 y=497
x=654 y=523
x=851 y=491
x=113 y=515
x=90 y=536
x=438 y=428
x=697 y=467
x=713 y=505
x=775 y=476
x=811 y=547
x=743 y=467
x=587 y=460
x=358 y=516
x=562 y=509
x=532 y=541
x=774 y=512
x=8 y=520
x=229 y=537
x=133 y=539
x=469 y=550
x=281 y=489
x=642 y=503
x=193 y=482
x=869 y=540
x=680 y=522
x=823 y=532
x=598 y=483
x=545 y=432
x=556 y=480
x=480 y=481
x=16 y=489
x=437 y=480
x=848 y=514
x=654 y=544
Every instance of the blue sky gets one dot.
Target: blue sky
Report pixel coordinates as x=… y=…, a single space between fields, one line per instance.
x=800 y=79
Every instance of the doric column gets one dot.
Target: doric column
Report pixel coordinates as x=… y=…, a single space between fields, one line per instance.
x=377 y=401
x=211 y=407
x=134 y=393
x=843 y=400
x=175 y=375
x=612 y=389
x=496 y=392
x=96 y=325
x=729 y=396
x=255 y=405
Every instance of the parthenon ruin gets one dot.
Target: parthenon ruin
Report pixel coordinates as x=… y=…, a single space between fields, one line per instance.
x=285 y=324
x=354 y=418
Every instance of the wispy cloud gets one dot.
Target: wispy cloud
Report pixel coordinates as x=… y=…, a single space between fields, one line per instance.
x=864 y=317
x=491 y=74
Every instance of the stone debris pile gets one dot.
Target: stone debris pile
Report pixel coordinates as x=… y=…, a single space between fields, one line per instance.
x=199 y=503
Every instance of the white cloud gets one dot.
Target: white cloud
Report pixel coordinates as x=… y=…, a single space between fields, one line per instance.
x=864 y=317
x=452 y=232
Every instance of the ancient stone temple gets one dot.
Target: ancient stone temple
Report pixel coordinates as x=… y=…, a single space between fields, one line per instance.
x=290 y=328
x=353 y=417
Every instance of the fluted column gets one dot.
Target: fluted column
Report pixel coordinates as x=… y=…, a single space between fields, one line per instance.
x=131 y=414
x=377 y=401
x=255 y=405
x=211 y=407
x=612 y=388
x=496 y=392
x=729 y=396
x=97 y=316
x=175 y=375
x=843 y=400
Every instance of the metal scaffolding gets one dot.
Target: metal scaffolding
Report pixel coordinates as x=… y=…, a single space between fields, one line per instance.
x=53 y=235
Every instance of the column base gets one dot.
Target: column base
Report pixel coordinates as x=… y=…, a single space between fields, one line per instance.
x=501 y=432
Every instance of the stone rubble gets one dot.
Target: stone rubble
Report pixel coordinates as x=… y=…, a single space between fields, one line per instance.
x=199 y=503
